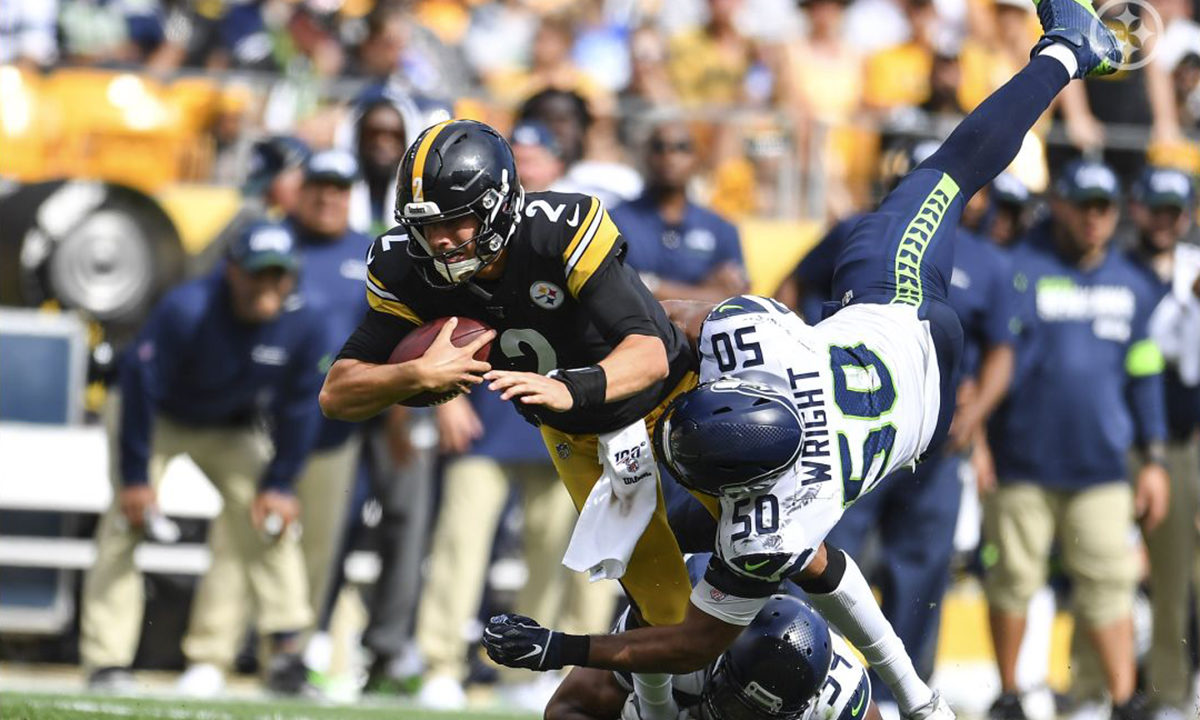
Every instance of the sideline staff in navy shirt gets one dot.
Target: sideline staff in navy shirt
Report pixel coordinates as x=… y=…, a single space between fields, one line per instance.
x=1088 y=389
x=681 y=250
x=332 y=273
x=1163 y=212
x=219 y=356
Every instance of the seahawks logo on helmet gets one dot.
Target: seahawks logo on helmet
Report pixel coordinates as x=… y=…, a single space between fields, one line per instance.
x=729 y=436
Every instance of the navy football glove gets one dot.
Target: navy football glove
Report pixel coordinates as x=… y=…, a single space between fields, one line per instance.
x=520 y=642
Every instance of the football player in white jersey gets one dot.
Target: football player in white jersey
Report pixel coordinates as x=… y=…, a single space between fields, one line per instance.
x=787 y=665
x=792 y=422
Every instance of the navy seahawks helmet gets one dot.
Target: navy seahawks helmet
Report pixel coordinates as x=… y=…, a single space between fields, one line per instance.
x=776 y=667
x=729 y=435
x=454 y=169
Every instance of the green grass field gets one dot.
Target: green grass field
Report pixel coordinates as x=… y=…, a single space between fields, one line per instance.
x=22 y=706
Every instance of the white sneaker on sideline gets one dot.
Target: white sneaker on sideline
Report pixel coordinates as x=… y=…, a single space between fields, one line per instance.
x=442 y=692
x=202 y=680
x=318 y=653
x=532 y=696
x=1091 y=710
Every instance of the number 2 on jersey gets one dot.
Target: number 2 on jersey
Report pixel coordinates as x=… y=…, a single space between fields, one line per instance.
x=863 y=389
x=517 y=342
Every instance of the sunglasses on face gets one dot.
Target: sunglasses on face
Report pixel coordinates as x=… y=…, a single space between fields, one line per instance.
x=662 y=146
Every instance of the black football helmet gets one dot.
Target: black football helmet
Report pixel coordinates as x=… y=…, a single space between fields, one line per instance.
x=776 y=667
x=458 y=168
x=729 y=435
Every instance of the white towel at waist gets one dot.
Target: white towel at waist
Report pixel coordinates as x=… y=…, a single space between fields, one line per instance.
x=619 y=507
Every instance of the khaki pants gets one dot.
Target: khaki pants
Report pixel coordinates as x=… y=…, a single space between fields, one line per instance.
x=474 y=493
x=233 y=460
x=1172 y=547
x=219 y=614
x=1093 y=527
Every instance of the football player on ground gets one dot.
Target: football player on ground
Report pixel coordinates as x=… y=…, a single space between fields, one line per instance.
x=787 y=665
x=545 y=270
x=809 y=418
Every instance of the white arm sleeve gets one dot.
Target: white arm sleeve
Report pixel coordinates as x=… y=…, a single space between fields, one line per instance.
x=727 y=608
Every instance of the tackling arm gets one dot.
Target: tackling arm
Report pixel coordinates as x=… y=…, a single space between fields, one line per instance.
x=518 y=641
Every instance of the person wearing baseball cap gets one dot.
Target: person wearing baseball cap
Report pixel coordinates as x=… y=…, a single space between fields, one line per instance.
x=218 y=356
x=1163 y=212
x=1009 y=198
x=333 y=167
x=332 y=273
x=274 y=171
x=537 y=154
x=1085 y=182
x=1088 y=392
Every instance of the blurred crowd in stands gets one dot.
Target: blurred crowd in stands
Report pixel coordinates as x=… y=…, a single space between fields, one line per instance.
x=793 y=102
x=688 y=118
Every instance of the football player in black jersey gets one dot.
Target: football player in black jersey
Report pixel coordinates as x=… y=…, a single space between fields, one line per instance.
x=581 y=346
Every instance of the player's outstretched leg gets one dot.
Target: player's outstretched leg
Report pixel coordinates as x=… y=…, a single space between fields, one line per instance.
x=1075 y=44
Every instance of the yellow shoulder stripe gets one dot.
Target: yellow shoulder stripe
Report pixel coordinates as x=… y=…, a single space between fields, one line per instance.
x=582 y=231
x=392 y=307
x=598 y=247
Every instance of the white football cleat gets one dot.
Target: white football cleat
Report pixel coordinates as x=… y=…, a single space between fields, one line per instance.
x=442 y=692
x=201 y=680
x=936 y=709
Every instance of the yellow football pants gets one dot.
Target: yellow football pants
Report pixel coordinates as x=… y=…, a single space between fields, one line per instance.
x=656 y=579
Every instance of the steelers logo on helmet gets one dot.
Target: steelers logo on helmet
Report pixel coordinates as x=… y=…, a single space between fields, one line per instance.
x=456 y=169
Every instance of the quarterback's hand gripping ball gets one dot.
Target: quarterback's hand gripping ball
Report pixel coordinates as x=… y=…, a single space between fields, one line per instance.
x=465 y=333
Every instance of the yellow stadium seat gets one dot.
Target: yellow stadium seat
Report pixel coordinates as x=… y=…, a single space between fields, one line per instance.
x=116 y=126
x=28 y=128
x=195 y=98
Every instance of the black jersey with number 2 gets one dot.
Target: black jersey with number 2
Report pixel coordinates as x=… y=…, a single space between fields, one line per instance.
x=565 y=299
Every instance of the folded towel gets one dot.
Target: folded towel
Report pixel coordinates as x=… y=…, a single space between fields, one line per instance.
x=619 y=507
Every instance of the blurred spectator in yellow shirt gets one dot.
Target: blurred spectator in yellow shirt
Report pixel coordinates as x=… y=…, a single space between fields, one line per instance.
x=821 y=85
x=708 y=64
x=899 y=75
x=550 y=68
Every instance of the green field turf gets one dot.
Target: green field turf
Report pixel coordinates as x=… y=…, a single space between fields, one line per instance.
x=21 y=706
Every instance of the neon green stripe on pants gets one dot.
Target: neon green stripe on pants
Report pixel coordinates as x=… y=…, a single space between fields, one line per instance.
x=917 y=236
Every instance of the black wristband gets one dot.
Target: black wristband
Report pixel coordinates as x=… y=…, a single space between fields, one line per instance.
x=575 y=649
x=828 y=581
x=588 y=385
x=1155 y=453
